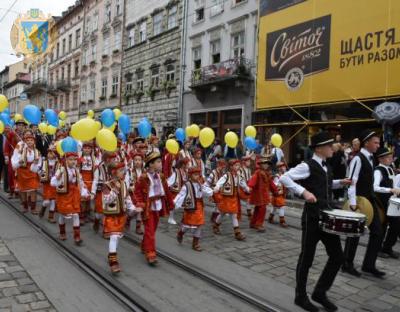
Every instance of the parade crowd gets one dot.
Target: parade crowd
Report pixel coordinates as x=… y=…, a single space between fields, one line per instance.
x=142 y=182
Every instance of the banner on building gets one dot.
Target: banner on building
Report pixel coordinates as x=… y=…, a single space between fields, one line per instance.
x=322 y=51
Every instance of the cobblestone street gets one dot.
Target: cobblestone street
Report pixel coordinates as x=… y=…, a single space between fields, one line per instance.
x=275 y=254
x=18 y=292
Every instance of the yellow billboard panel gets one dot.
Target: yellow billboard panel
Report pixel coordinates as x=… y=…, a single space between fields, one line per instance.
x=321 y=51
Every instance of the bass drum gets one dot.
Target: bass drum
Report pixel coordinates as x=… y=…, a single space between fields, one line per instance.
x=364 y=206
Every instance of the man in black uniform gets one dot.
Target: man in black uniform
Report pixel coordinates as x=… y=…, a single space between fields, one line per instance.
x=385 y=186
x=316 y=189
x=362 y=175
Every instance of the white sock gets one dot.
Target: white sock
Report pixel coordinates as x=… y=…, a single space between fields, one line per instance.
x=61 y=219
x=235 y=221
x=219 y=218
x=75 y=219
x=171 y=214
x=46 y=203
x=281 y=211
x=52 y=205
x=197 y=232
x=112 y=246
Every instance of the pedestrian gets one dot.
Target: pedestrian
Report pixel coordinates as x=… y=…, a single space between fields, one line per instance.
x=278 y=200
x=313 y=174
x=191 y=199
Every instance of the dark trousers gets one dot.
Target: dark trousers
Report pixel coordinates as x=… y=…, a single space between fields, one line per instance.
x=3 y=173
x=374 y=244
x=392 y=232
x=311 y=235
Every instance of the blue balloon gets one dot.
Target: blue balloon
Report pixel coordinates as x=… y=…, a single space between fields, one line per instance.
x=107 y=117
x=250 y=143
x=51 y=117
x=124 y=123
x=144 y=128
x=32 y=114
x=122 y=137
x=180 y=134
x=5 y=118
x=69 y=145
x=7 y=111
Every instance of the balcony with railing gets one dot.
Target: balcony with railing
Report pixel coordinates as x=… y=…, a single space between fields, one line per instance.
x=223 y=73
x=63 y=85
x=37 y=86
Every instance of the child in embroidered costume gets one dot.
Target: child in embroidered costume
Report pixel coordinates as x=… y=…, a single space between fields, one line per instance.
x=212 y=180
x=87 y=168
x=190 y=198
x=245 y=173
x=46 y=172
x=117 y=206
x=135 y=171
x=26 y=160
x=69 y=189
x=278 y=201
x=227 y=189
x=176 y=180
x=153 y=196
x=261 y=184
x=197 y=161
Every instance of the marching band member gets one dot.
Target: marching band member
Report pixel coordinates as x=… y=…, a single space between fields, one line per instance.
x=197 y=161
x=212 y=180
x=362 y=175
x=176 y=180
x=135 y=172
x=315 y=173
x=385 y=187
x=69 y=190
x=261 y=184
x=227 y=189
x=87 y=168
x=245 y=173
x=153 y=196
x=26 y=160
x=117 y=206
x=190 y=198
x=46 y=172
x=278 y=200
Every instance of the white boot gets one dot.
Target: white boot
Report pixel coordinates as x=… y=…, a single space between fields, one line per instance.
x=171 y=219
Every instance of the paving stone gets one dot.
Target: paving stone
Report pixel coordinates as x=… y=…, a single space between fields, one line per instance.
x=19 y=274
x=12 y=291
x=4 y=258
x=6 y=302
x=4 y=251
x=26 y=298
x=389 y=299
x=5 y=277
x=40 y=295
x=28 y=288
x=25 y=281
x=16 y=268
x=6 y=284
x=40 y=305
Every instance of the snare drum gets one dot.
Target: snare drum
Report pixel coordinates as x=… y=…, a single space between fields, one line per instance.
x=393 y=207
x=342 y=222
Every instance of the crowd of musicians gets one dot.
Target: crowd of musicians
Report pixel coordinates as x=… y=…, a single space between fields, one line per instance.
x=137 y=184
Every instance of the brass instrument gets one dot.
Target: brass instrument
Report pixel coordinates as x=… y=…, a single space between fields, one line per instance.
x=364 y=206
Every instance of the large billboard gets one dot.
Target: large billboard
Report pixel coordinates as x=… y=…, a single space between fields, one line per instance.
x=324 y=51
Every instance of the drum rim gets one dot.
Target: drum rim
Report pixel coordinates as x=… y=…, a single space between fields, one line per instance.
x=356 y=214
x=342 y=233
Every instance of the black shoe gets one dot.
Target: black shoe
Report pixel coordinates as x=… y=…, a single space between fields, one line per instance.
x=323 y=300
x=389 y=254
x=305 y=303
x=374 y=271
x=350 y=270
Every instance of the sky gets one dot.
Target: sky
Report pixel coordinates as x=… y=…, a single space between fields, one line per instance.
x=53 y=7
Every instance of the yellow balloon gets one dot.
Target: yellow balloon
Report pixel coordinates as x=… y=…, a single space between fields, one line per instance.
x=59 y=148
x=112 y=128
x=62 y=115
x=276 y=140
x=117 y=113
x=1 y=127
x=61 y=123
x=250 y=131
x=231 y=139
x=98 y=125
x=51 y=129
x=18 y=117
x=42 y=127
x=3 y=102
x=206 y=137
x=90 y=113
x=187 y=131
x=195 y=131
x=84 y=130
x=106 y=140
x=172 y=146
